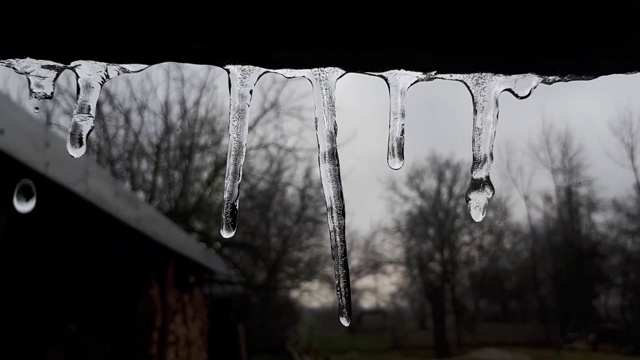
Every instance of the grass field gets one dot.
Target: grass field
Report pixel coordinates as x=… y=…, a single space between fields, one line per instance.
x=532 y=353
x=380 y=347
x=385 y=341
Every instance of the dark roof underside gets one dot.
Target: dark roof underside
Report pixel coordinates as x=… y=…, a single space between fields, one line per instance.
x=447 y=36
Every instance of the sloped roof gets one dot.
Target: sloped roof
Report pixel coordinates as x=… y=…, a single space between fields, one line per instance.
x=24 y=139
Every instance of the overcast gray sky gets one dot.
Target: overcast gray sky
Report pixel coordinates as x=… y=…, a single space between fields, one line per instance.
x=439 y=117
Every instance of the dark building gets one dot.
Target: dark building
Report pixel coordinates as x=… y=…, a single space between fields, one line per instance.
x=93 y=272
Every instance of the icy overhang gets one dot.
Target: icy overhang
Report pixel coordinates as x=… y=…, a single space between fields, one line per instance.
x=489 y=47
x=448 y=37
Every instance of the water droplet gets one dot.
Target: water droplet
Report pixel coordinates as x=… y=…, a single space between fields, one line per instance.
x=229 y=221
x=77 y=141
x=345 y=321
x=24 y=196
x=479 y=193
x=36 y=109
x=395 y=160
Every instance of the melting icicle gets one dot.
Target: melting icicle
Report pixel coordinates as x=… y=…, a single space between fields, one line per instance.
x=24 y=196
x=399 y=82
x=41 y=75
x=242 y=80
x=485 y=90
x=90 y=76
x=323 y=82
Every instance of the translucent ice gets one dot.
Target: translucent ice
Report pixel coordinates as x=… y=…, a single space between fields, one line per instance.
x=41 y=75
x=399 y=82
x=242 y=80
x=485 y=90
x=90 y=77
x=323 y=81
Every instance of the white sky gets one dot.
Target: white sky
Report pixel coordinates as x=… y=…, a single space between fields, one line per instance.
x=439 y=117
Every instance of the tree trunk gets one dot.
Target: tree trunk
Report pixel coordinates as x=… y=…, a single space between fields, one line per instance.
x=439 y=318
x=543 y=312
x=422 y=318
x=419 y=310
x=475 y=313
x=505 y=309
x=457 y=316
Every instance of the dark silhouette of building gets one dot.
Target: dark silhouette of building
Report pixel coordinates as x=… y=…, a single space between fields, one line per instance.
x=93 y=272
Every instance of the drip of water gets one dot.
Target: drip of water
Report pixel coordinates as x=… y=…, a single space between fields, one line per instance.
x=41 y=75
x=345 y=321
x=399 y=82
x=90 y=77
x=24 y=196
x=242 y=80
x=36 y=109
x=323 y=81
x=485 y=90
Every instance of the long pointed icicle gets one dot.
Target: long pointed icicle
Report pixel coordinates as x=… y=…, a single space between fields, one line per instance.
x=90 y=76
x=399 y=82
x=41 y=75
x=485 y=89
x=324 y=83
x=242 y=80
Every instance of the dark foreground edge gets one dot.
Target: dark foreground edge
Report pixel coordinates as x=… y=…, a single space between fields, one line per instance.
x=448 y=37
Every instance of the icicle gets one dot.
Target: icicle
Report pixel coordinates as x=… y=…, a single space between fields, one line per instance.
x=41 y=75
x=399 y=82
x=485 y=90
x=24 y=196
x=90 y=76
x=242 y=80
x=323 y=82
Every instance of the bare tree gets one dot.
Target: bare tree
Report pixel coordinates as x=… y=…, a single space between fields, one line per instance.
x=626 y=132
x=521 y=178
x=163 y=133
x=429 y=221
x=488 y=262
x=624 y=225
x=569 y=229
